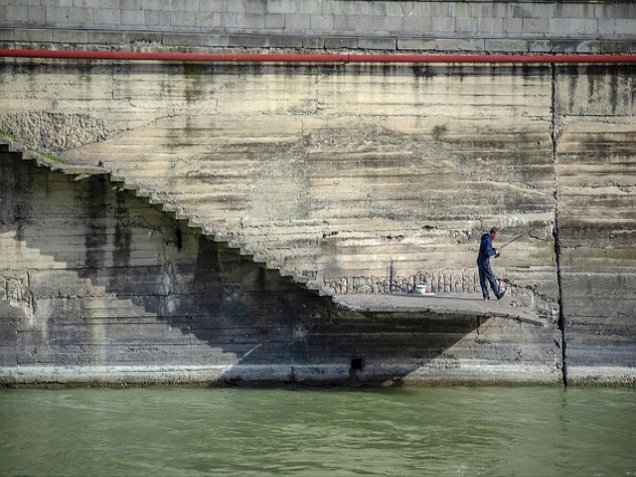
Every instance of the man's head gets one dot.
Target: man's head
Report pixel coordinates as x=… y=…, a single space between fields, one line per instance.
x=494 y=233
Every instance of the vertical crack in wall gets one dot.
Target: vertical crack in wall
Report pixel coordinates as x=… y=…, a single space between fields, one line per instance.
x=557 y=246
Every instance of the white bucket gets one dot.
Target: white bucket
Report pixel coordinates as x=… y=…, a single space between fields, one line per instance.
x=420 y=289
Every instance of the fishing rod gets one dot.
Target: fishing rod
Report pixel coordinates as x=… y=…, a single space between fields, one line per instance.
x=519 y=236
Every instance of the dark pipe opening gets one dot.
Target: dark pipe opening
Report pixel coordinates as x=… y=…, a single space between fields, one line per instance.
x=357 y=364
x=179 y=240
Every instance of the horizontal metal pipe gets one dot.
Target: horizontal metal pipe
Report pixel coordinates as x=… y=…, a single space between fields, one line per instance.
x=312 y=58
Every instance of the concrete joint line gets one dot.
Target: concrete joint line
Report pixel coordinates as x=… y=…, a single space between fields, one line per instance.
x=557 y=247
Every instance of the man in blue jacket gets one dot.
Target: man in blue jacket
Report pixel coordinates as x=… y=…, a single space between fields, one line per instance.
x=486 y=250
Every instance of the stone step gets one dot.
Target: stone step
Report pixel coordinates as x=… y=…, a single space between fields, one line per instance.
x=139 y=258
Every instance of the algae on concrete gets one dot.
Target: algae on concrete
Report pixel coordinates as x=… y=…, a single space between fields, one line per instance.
x=8 y=136
x=53 y=157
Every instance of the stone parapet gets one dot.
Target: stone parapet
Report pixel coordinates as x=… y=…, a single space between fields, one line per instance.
x=451 y=25
x=180 y=41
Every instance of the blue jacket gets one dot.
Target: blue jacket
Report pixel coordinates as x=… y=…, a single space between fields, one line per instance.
x=486 y=250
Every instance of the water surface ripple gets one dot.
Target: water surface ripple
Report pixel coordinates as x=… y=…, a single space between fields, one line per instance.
x=458 y=431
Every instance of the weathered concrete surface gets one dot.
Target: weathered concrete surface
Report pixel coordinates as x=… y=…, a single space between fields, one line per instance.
x=350 y=179
x=365 y=179
x=99 y=287
x=596 y=180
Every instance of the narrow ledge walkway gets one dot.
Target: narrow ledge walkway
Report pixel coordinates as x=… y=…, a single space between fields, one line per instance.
x=468 y=305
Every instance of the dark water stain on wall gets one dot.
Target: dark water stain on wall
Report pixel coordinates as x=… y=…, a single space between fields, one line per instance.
x=95 y=207
x=613 y=93
x=195 y=78
x=423 y=71
x=16 y=193
x=123 y=232
x=573 y=80
x=438 y=132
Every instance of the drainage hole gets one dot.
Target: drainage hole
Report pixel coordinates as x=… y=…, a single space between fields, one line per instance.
x=357 y=364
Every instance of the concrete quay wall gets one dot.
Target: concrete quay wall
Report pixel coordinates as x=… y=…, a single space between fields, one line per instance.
x=367 y=178
x=99 y=287
x=343 y=178
x=527 y=26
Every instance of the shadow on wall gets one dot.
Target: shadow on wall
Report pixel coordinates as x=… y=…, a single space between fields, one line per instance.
x=93 y=276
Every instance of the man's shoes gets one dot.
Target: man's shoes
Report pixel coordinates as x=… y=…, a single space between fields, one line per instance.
x=486 y=298
x=500 y=296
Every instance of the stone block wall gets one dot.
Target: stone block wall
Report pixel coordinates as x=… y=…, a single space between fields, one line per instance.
x=535 y=26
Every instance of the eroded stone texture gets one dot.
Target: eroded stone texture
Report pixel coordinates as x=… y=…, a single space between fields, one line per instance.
x=54 y=131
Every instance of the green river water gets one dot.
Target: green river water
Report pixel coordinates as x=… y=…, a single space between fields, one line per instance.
x=457 y=431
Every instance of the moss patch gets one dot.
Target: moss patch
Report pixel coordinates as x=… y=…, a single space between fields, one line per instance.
x=8 y=136
x=52 y=157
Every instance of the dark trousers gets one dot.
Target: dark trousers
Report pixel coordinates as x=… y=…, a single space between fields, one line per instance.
x=485 y=273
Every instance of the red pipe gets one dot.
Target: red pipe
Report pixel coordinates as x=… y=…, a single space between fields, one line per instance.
x=312 y=58
x=516 y=58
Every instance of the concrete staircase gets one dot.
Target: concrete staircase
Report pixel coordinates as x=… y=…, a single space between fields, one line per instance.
x=348 y=180
x=167 y=204
x=338 y=208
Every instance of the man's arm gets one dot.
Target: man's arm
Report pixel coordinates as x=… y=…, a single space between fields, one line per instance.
x=490 y=249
